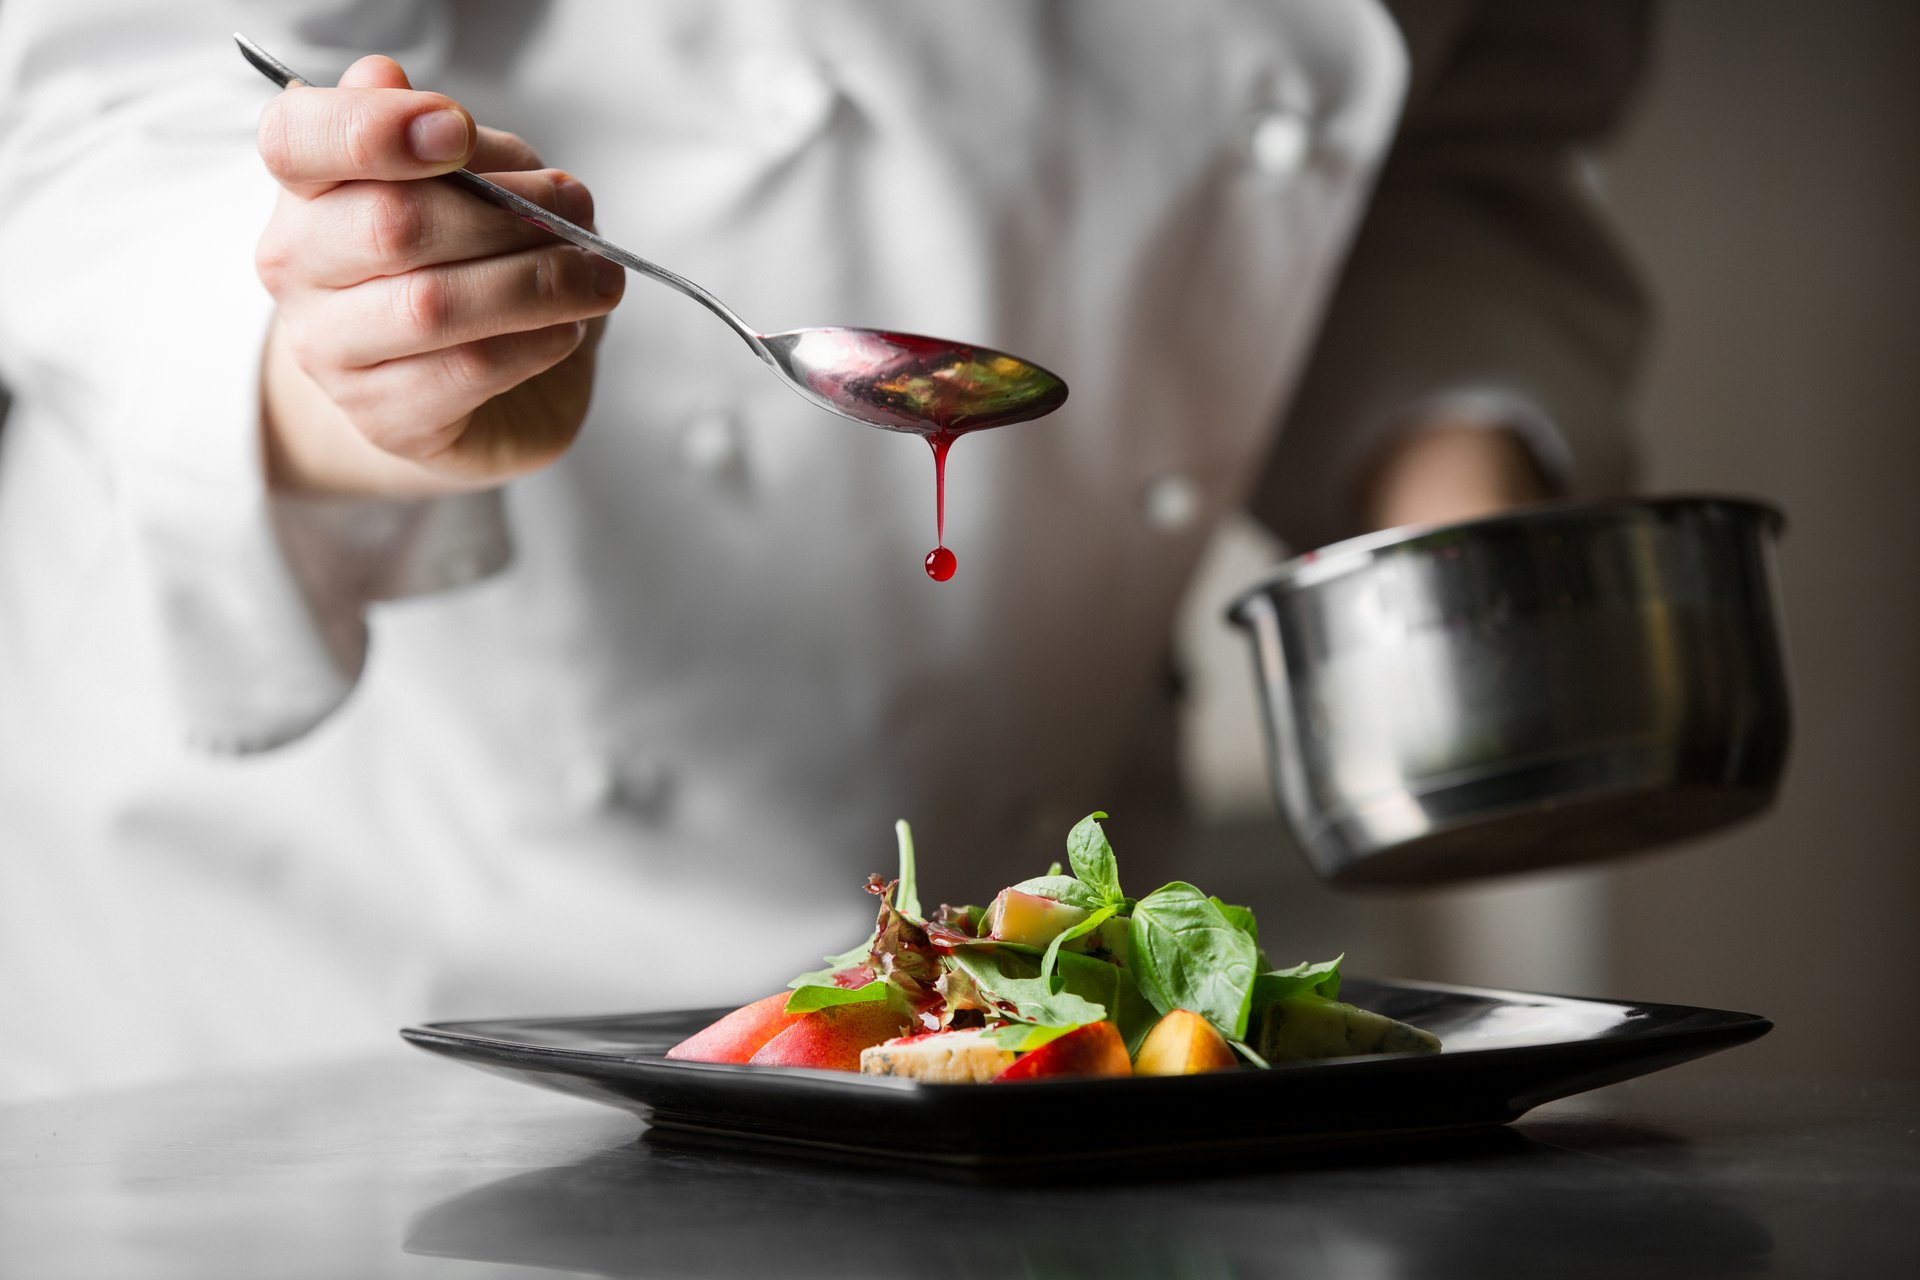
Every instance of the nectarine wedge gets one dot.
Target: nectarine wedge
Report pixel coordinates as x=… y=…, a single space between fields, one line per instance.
x=739 y=1035
x=832 y=1038
x=1093 y=1050
x=1182 y=1044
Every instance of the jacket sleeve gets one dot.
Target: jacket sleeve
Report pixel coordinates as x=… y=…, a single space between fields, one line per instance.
x=1481 y=281
x=131 y=321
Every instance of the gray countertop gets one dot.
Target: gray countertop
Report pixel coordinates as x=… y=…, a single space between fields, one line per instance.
x=411 y=1167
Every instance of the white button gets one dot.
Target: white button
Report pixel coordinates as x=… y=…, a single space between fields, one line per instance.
x=590 y=784
x=711 y=445
x=1279 y=142
x=645 y=785
x=1171 y=502
x=462 y=567
x=637 y=784
x=784 y=88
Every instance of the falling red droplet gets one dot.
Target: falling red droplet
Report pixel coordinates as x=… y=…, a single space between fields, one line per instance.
x=941 y=563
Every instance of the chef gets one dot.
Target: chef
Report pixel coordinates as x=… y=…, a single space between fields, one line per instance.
x=403 y=616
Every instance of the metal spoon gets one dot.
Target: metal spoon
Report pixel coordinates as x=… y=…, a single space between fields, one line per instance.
x=896 y=381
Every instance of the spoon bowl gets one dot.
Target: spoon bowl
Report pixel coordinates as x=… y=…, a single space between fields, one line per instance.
x=907 y=382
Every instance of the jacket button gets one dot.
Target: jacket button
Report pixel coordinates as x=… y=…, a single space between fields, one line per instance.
x=1279 y=142
x=645 y=786
x=590 y=784
x=638 y=785
x=785 y=90
x=463 y=567
x=711 y=445
x=1171 y=502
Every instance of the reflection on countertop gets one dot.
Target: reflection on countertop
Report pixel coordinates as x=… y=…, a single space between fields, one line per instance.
x=1496 y=1203
x=409 y=1166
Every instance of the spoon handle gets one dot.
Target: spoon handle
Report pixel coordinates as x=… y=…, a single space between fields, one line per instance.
x=278 y=72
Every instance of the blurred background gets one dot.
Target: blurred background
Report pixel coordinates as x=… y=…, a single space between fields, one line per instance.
x=1766 y=182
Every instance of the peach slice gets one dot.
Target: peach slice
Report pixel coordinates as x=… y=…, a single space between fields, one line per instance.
x=832 y=1038
x=1093 y=1050
x=739 y=1035
x=1182 y=1044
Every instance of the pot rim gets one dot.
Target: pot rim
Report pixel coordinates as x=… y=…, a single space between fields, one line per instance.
x=1338 y=559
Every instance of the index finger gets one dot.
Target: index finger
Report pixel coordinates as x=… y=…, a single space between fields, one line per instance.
x=312 y=138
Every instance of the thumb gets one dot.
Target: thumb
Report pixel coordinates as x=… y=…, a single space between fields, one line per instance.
x=375 y=71
x=371 y=126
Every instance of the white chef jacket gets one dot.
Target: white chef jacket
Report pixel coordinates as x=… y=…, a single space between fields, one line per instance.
x=277 y=775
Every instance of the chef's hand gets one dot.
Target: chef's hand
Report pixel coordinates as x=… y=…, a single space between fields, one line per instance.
x=425 y=341
x=1451 y=469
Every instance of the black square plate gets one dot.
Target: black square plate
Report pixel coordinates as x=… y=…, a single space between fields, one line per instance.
x=1505 y=1053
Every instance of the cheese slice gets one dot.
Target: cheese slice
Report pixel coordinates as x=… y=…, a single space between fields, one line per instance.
x=963 y=1057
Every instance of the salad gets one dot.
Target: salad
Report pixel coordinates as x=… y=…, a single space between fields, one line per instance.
x=1060 y=975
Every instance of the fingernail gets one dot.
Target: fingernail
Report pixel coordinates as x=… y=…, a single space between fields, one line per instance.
x=576 y=205
x=438 y=136
x=609 y=277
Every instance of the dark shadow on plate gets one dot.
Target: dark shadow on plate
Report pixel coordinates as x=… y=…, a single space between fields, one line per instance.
x=1488 y=1204
x=1115 y=1166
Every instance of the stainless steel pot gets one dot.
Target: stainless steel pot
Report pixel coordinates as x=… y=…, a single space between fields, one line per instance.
x=1557 y=684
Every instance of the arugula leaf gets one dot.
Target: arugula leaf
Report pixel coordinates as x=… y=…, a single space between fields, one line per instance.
x=906 y=899
x=1322 y=979
x=1012 y=979
x=1062 y=889
x=1092 y=922
x=1240 y=917
x=810 y=997
x=1093 y=861
x=1186 y=954
x=1022 y=1037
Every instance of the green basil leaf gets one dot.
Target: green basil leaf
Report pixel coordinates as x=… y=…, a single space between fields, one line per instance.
x=1092 y=859
x=1112 y=988
x=808 y=998
x=1092 y=922
x=1062 y=889
x=906 y=899
x=1012 y=978
x=1322 y=979
x=1186 y=954
x=1241 y=917
x=1022 y=1038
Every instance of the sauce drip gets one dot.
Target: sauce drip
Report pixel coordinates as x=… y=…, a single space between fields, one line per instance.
x=940 y=562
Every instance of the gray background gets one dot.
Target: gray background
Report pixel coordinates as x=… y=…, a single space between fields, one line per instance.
x=1770 y=183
